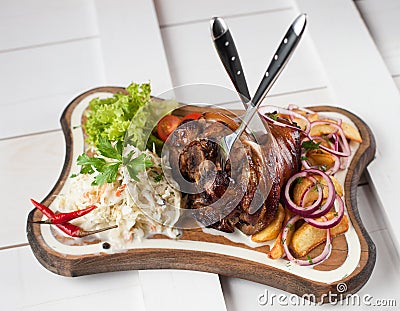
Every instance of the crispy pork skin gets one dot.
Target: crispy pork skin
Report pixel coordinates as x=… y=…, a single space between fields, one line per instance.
x=265 y=164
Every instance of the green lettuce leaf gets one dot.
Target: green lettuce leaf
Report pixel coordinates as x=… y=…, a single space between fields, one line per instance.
x=110 y=118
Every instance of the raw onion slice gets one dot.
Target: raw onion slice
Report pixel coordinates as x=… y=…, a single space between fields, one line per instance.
x=265 y=110
x=297 y=209
x=344 y=160
x=332 y=222
x=335 y=138
x=315 y=210
x=310 y=188
x=323 y=117
x=333 y=170
x=343 y=140
x=331 y=195
x=320 y=115
x=311 y=261
x=306 y=110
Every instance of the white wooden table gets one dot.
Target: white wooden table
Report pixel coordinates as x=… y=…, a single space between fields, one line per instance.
x=50 y=51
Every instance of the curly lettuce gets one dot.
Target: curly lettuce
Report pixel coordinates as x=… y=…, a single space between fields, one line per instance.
x=109 y=118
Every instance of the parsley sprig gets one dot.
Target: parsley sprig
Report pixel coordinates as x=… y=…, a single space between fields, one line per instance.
x=108 y=169
x=273 y=115
x=310 y=145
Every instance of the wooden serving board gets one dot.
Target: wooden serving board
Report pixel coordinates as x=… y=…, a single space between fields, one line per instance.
x=197 y=250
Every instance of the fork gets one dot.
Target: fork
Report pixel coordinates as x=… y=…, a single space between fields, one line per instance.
x=278 y=62
x=229 y=56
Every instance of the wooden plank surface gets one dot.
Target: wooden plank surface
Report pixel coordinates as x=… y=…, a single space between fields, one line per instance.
x=170 y=12
x=25 y=24
x=383 y=22
x=131 y=44
x=29 y=167
x=36 y=83
x=171 y=288
x=21 y=275
x=192 y=58
x=381 y=285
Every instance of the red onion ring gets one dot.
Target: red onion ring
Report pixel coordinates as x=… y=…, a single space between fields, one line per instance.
x=339 y=148
x=330 y=136
x=305 y=163
x=331 y=171
x=344 y=160
x=312 y=261
x=306 y=110
x=314 y=180
x=336 y=141
x=297 y=209
x=264 y=110
x=331 y=194
x=320 y=115
x=327 y=118
x=329 y=223
x=345 y=147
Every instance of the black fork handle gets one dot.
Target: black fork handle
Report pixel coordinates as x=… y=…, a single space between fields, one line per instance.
x=226 y=49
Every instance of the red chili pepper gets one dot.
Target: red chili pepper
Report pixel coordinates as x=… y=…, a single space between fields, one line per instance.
x=64 y=217
x=44 y=209
x=62 y=221
x=61 y=218
x=78 y=232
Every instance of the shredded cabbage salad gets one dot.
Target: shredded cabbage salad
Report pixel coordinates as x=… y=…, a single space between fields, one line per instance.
x=139 y=208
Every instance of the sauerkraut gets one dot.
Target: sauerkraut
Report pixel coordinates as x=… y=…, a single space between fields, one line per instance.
x=139 y=208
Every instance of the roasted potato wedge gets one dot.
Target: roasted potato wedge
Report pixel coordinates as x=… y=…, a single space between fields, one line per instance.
x=321 y=157
x=300 y=122
x=312 y=117
x=338 y=186
x=302 y=186
x=321 y=129
x=308 y=237
x=277 y=250
x=272 y=230
x=303 y=113
x=351 y=132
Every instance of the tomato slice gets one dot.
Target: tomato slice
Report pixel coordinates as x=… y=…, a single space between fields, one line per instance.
x=192 y=116
x=167 y=125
